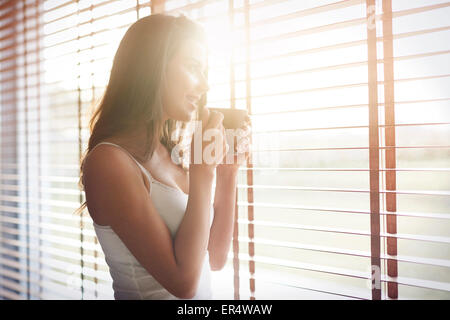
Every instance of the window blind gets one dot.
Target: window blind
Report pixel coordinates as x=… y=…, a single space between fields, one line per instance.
x=348 y=176
x=331 y=197
x=55 y=61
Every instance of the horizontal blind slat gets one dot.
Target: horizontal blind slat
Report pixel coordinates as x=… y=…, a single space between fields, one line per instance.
x=437 y=239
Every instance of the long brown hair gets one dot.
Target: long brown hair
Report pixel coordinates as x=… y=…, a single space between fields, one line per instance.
x=133 y=95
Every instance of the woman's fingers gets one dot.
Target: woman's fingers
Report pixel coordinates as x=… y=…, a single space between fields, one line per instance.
x=215 y=123
x=225 y=145
x=246 y=126
x=215 y=120
x=224 y=135
x=243 y=143
x=205 y=117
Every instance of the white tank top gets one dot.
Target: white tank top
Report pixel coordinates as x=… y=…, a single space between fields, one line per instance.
x=130 y=279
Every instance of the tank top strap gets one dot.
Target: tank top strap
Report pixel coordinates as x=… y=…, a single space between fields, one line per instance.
x=146 y=172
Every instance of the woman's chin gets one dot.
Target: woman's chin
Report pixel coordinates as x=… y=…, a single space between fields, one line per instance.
x=191 y=114
x=186 y=116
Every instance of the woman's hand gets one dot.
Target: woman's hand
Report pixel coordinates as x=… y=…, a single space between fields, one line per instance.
x=225 y=197
x=212 y=151
x=241 y=152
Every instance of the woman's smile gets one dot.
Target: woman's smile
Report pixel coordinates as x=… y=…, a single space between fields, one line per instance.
x=192 y=106
x=192 y=102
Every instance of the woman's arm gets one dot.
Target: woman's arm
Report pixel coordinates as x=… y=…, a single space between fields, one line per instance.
x=115 y=189
x=225 y=201
x=224 y=210
x=191 y=241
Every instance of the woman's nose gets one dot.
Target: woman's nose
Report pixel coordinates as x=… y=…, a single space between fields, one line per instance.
x=205 y=87
x=203 y=84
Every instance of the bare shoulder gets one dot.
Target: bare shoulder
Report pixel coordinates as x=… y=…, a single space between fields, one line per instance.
x=116 y=196
x=107 y=160
x=104 y=171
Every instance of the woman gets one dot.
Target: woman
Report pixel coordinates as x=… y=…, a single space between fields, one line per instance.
x=153 y=217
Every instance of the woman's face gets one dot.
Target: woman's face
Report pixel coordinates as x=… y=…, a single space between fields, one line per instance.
x=186 y=82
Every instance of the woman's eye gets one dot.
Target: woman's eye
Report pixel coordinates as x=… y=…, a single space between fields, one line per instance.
x=196 y=69
x=193 y=68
